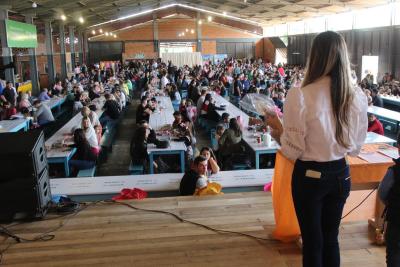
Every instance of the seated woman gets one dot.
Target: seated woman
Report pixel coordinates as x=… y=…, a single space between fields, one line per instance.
x=24 y=102
x=174 y=95
x=219 y=131
x=84 y=158
x=230 y=141
x=138 y=148
x=143 y=111
x=184 y=131
x=57 y=88
x=191 y=110
x=94 y=119
x=211 y=159
x=90 y=134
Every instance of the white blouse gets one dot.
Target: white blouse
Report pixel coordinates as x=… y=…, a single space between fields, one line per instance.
x=309 y=128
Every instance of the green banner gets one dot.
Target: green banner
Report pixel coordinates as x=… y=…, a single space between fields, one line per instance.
x=22 y=35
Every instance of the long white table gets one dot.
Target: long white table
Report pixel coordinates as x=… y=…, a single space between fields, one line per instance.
x=163 y=116
x=154 y=182
x=63 y=155
x=373 y=138
x=391 y=100
x=231 y=109
x=248 y=136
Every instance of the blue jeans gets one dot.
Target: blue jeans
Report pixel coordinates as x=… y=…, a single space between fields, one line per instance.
x=392 y=237
x=319 y=204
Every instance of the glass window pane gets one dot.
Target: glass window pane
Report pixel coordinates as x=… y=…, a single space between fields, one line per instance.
x=340 y=22
x=281 y=30
x=296 y=27
x=269 y=31
x=373 y=17
x=315 y=25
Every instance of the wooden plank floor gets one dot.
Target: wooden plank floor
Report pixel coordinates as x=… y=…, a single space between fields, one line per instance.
x=114 y=235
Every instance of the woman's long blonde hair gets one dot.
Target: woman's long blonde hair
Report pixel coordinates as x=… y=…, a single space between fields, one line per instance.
x=329 y=57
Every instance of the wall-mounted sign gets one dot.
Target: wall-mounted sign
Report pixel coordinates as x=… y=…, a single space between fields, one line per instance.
x=139 y=56
x=20 y=34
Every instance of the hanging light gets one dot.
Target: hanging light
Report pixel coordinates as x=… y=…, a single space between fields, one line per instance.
x=183 y=34
x=191 y=31
x=209 y=18
x=115 y=36
x=187 y=30
x=93 y=32
x=63 y=17
x=224 y=13
x=107 y=33
x=81 y=20
x=200 y=22
x=101 y=30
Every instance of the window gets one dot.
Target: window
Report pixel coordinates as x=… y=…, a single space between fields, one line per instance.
x=373 y=17
x=340 y=22
x=315 y=25
x=269 y=31
x=296 y=27
x=281 y=30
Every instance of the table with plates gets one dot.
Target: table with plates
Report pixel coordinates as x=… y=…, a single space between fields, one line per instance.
x=163 y=114
x=56 y=153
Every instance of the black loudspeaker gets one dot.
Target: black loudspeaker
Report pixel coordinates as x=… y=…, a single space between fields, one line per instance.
x=24 y=179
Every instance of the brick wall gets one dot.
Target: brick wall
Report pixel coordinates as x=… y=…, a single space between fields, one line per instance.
x=138 y=49
x=168 y=30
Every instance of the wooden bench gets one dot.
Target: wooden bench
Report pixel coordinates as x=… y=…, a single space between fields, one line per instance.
x=87 y=172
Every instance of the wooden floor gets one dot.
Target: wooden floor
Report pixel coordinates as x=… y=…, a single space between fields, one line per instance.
x=113 y=235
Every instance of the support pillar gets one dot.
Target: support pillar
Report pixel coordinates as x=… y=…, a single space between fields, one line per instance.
x=86 y=48
x=6 y=51
x=49 y=51
x=71 y=30
x=156 y=41
x=80 y=47
x=198 y=31
x=34 y=76
x=62 y=51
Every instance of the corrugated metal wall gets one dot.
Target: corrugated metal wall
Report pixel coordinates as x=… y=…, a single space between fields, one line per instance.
x=236 y=49
x=382 y=42
x=103 y=51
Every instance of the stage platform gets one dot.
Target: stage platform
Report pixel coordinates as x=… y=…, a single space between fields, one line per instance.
x=113 y=235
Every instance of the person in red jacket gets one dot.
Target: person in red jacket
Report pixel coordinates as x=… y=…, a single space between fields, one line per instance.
x=7 y=111
x=374 y=125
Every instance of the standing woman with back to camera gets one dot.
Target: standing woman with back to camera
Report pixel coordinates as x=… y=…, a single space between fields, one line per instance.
x=324 y=120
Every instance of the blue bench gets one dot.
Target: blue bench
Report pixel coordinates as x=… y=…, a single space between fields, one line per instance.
x=87 y=172
x=135 y=169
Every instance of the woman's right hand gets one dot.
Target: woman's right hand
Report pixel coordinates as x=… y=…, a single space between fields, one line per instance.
x=273 y=121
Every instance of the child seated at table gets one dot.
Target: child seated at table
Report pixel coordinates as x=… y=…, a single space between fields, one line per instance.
x=374 y=125
x=389 y=192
